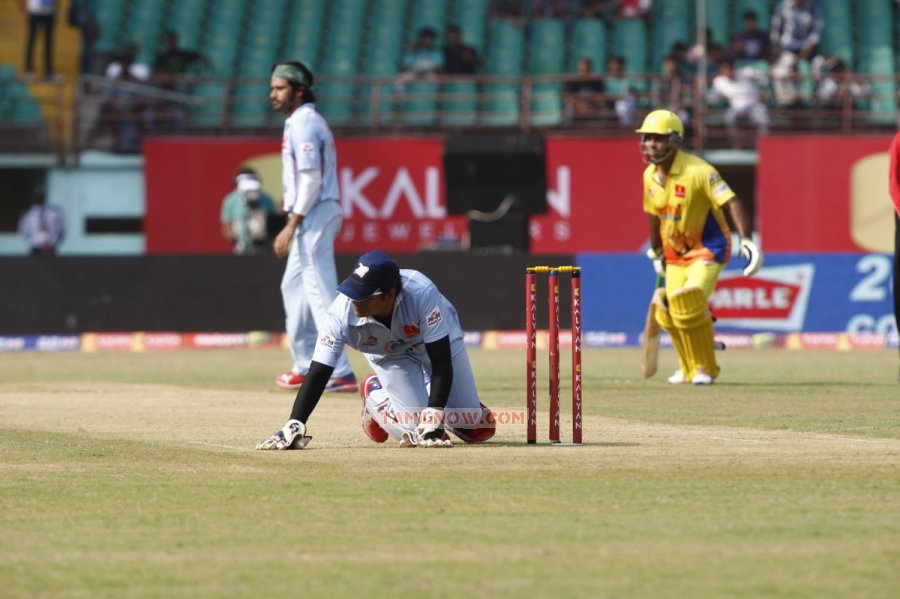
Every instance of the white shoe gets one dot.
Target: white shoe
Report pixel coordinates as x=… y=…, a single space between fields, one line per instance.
x=677 y=378
x=408 y=440
x=701 y=378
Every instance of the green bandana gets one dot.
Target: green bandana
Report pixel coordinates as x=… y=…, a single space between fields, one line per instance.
x=291 y=73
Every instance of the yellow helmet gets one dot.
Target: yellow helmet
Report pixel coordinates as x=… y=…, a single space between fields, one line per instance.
x=662 y=122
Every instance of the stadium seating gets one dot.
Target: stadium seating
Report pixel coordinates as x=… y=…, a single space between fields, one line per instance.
x=472 y=18
x=109 y=16
x=671 y=23
x=718 y=19
x=507 y=45
x=18 y=108
x=186 y=19
x=546 y=55
x=303 y=38
x=630 y=40
x=143 y=27
x=837 y=41
x=588 y=39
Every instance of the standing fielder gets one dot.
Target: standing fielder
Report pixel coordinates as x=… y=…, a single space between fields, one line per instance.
x=310 y=187
x=690 y=242
x=411 y=337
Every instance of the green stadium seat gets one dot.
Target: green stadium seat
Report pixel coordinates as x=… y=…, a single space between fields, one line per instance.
x=186 y=20
x=420 y=103
x=209 y=110
x=630 y=40
x=546 y=48
x=588 y=39
x=874 y=24
x=878 y=63
x=671 y=23
x=261 y=47
x=220 y=43
x=501 y=106
x=18 y=107
x=459 y=103
x=836 y=41
x=109 y=16
x=250 y=105
x=144 y=27
x=305 y=33
x=472 y=18
x=718 y=19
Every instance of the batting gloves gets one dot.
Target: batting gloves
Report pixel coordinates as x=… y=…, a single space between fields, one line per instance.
x=430 y=430
x=753 y=255
x=655 y=255
x=291 y=436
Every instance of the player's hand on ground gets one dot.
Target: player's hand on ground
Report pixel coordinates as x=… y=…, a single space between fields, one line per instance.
x=655 y=255
x=291 y=436
x=753 y=255
x=430 y=430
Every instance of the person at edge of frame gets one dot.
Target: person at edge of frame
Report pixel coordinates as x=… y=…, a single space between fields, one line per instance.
x=314 y=218
x=894 y=174
x=411 y=336
x=690 y=241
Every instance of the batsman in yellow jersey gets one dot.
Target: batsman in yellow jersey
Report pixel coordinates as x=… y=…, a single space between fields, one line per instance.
x=690 y=241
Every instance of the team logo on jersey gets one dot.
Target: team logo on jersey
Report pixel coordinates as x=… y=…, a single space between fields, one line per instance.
x=714 y=178
x=433 y=318
x=308 y=150
x=410 y=330
x=679 y=191
x=370 y=342
x=361 y=271
x=328 y=341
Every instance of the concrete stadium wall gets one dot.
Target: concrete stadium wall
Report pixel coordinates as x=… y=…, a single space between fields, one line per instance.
x=227 y=293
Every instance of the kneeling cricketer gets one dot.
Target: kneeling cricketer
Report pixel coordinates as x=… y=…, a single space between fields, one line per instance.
x=422 y=385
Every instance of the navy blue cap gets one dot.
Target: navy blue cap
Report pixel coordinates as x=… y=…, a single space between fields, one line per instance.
x=375 y=272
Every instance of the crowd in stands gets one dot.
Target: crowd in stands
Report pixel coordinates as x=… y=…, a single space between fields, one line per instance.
x=763 y=67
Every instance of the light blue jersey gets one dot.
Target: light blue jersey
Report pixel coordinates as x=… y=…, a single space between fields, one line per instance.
x=421 y=315
x=308 y=145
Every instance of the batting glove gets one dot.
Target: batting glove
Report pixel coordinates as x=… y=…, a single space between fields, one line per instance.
x=753 y=255
x=430 y=430
x=655 y=255
x=291 y=436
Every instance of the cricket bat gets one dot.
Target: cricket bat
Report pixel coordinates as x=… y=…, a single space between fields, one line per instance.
x=650 y=348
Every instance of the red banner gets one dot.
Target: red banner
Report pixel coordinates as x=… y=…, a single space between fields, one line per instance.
x=392 y=194
x=824 y=194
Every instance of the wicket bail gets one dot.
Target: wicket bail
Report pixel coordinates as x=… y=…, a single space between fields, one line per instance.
x=553 y=272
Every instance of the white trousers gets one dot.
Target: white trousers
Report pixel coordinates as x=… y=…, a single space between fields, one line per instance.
x=309 y=285
x=405 y=385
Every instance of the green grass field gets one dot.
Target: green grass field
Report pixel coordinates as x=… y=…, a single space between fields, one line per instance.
x=134 y=475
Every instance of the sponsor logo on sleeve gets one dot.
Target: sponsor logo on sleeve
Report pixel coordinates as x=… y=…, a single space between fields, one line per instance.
x=714 y=178
x=434 y=318
x=328 y=341
x=308 y=150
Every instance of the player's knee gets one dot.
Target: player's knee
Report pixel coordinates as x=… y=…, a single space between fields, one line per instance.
x=689 y=308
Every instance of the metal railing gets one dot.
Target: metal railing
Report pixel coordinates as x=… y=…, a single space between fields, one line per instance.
x=115 y=116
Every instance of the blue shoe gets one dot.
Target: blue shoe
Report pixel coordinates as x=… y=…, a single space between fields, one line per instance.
x=342 y=384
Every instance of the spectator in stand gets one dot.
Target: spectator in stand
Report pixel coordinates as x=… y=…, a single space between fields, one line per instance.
x=423 y=60
x=41 y=14
x=750 y=43
x=796 y=30
x=631 y=9
x=128 y=64
x=667 y=89
x=82 y=15
x=604 y=9
x=169 y=70
x=620 y=87
x=837 y=84
x=543 y=9
x=507 y=9
x=459 y=59
x=585 y=96
x=174 y=62
x=43 y=227
x=125 y=111
x=741 y=90
x=245 y=213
